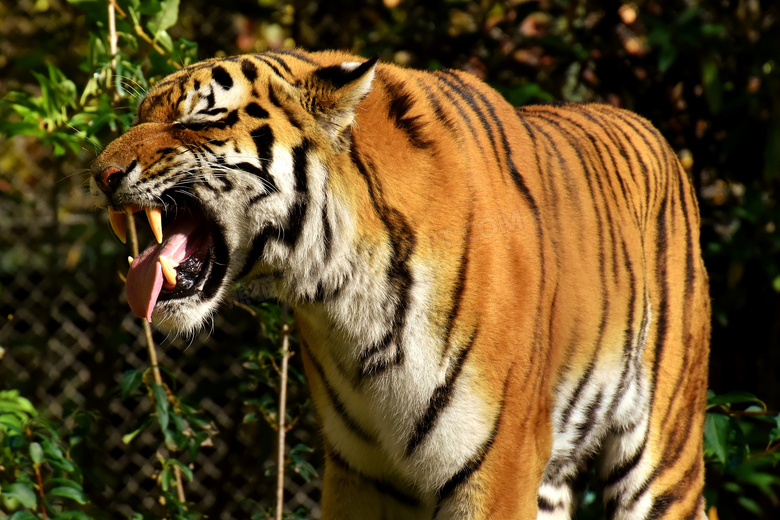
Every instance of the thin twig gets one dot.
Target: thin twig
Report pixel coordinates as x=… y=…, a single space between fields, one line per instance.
x=113 y=38
x=40 y=490
x=179 y=485
x=151 y=348
x=282 y=414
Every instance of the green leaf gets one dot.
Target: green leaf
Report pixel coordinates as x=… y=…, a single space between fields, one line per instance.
x=165 y=40
x=161 y=400
x=24 y=493
x=716 y=429
x=36 y=453
x=166 y=477
x=55 y=456
x=11 y=401
x=23 y=515
x=732 y=398
x=65 y=482
x=165 y=18
x=751 y=505
x=131 y=381
x=71 y=493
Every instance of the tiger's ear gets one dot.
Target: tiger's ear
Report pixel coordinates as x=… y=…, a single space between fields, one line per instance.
x=335 y=92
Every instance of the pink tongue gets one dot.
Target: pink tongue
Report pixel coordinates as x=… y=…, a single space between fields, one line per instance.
x=145 y=278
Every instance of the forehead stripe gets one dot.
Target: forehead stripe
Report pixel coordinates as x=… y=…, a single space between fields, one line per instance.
x=222 y=77
x=249 y=70
x=256 y=111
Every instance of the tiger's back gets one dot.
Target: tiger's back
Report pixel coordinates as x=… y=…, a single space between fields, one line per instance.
x=488 y=298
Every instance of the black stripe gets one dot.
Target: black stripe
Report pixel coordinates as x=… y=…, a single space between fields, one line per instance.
x=212 y=111
x=231 y=119
x=272 y=67
x=619 y=473
x=204 y=125
x=327 y=232
x=256 y=111
x=460 y=283
x=439 y=400
x=584 y=380
x=262 y=173
x=210 y=99
x=438 y=109
x=627 y=374
x=297 y=216
x=336 y=403
x=249 y=70
x=272 y=96
x=606 y=128
x=300 y=167
x=295 y=54
x=520 y=185
x=263 y=138
x=256 y=251
x=219 y=264
x=221 y=76
x=660 y=505
x=545 y=505
x=280 y=61
x=401 y=102
x=584 y=428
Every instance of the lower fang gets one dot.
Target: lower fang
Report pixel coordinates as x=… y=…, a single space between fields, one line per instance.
x=168 y=270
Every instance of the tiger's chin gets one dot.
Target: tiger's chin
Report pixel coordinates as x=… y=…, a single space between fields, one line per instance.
x=184 y=317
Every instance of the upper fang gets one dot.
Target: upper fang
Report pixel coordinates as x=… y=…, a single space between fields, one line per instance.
x=118 y=224
x=155 y=221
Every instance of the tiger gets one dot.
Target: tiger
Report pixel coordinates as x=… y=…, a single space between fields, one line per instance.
x=492 y=302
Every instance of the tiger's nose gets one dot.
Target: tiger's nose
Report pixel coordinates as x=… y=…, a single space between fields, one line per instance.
x=109 y=178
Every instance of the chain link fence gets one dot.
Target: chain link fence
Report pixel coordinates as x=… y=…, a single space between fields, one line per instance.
x=68 y=337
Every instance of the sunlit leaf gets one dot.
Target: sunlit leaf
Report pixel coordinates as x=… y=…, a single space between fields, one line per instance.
x=36 y=452
x=69 y=492
x=22 y=492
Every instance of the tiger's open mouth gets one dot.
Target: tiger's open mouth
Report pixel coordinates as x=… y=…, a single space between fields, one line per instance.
x=186 y=260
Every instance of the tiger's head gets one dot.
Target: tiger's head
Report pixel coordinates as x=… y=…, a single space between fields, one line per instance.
x=227 y=160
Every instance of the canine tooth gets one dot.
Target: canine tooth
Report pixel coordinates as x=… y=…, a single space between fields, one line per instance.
x=168 y=269
x=118 y=224
x=154 y=215
x=130 y=260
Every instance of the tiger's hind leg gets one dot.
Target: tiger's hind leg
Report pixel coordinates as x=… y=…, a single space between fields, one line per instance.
x=652 y=462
